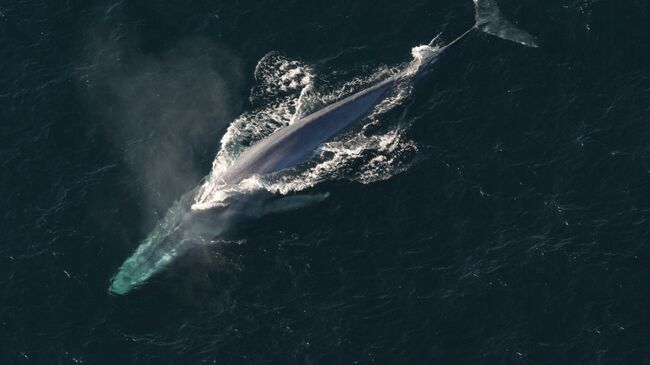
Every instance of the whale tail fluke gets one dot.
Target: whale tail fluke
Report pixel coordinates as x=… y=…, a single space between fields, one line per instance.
x=490 y=20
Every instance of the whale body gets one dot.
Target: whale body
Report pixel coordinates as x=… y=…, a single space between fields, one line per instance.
x=182 y=227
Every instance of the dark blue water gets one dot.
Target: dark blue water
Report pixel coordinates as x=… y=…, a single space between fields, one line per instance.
x=518 y=233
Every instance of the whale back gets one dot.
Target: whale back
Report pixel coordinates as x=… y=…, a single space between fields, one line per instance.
x=294 y=144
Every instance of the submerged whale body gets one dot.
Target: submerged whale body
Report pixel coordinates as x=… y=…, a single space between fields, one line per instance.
x=289 y=146
x=183 y=228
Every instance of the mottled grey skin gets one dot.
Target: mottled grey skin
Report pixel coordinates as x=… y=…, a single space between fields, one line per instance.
x=296 y=143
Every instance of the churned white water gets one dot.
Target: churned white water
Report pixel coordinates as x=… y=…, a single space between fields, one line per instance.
x=285 y=92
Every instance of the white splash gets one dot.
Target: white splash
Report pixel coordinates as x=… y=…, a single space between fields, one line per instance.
x=286 y=90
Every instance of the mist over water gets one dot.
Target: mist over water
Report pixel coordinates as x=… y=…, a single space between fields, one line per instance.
x=164 y=110
x=493 y=212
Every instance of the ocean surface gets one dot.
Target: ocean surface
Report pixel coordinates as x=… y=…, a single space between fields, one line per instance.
x=497 y=212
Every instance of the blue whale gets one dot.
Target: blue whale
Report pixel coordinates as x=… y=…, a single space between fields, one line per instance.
x=289 y=146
